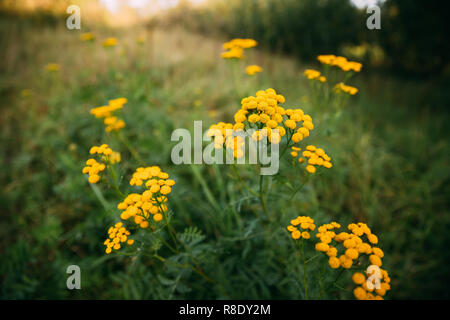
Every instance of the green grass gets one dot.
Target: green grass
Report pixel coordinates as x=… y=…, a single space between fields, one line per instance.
x=390 y=156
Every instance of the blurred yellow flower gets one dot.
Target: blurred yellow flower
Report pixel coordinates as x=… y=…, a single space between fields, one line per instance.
x=344 y=88
x=236 y=48
x=140 y=40
x=110 y=42
x=87 y=36
x=340 y=62
x=252 y=69
x=234 y=53
x=111 y=122
x=312 y=74
x=52 y=67
x=26 y=93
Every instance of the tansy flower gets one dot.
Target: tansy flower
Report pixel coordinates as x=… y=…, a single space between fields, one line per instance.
x=251 y=70
x=344 y=88
x=264 y=115
x=52 y=67
x=340 y=62
x=26 y=93
x=300 y=227
x=313 y=156
x=111 y=122
x=117 y=235
x=140 y=40
x=110 y=42
x=346 y=249
x=234 y=53
x=314 y=75
x=240 y=43
x=93 y=167
x=236 y=48
x=150 y=205
x=87 y=36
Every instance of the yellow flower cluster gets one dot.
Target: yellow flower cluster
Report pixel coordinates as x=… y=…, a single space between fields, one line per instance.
x=305 y=224
x=117 y=235
x=312 y=74
x=236 y=48
x=252 y=69
x=315 y=156
x=340 y=62
x=114 y=157
x=269 y=120
x=223 y=134
x=140 y=39
x=353 y=246
x=87 y=36
x=111 y=122
x=263 y=112
x=344 y=88
x=110 y=42
x=93 y=167
x=52 y=67
x=240 y=43
x=363 y=292
x=152 y=201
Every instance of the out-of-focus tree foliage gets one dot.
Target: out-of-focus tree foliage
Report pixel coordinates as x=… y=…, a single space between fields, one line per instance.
x=413 y=35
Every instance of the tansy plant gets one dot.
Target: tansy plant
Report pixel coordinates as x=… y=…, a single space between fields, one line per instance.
x=142 y=219
x=328 y=86
x=142 y=225
x=355 y=251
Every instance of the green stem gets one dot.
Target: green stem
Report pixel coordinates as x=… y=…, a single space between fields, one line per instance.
x=242 y=182
x=304 y=269
x=262 y=197
x=132 y=151
x=299 y=188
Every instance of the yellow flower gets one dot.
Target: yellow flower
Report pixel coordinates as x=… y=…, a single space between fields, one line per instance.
x=240 y=43
x=326 y=59
x=26 y=92
x=360 y=293
x=52 y=67
x=117 y=235
x=236 y=48
x=341 y=87
x=150 y=203
x=252 y=69
x=110 y=42
x=87 y=36
x=93 y=167
x=312 y=74
x=111 y=122
x=314 y=156
x=358 y=278
x=234 y=53
x=353 y=244
x=340 y=62
x=334 y=262
x=140 y=40
x=305 y=223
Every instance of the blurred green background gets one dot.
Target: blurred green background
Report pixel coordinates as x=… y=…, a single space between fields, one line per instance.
x=390 y=148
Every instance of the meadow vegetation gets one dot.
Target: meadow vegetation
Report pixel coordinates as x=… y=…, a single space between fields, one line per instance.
x=388 y=147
